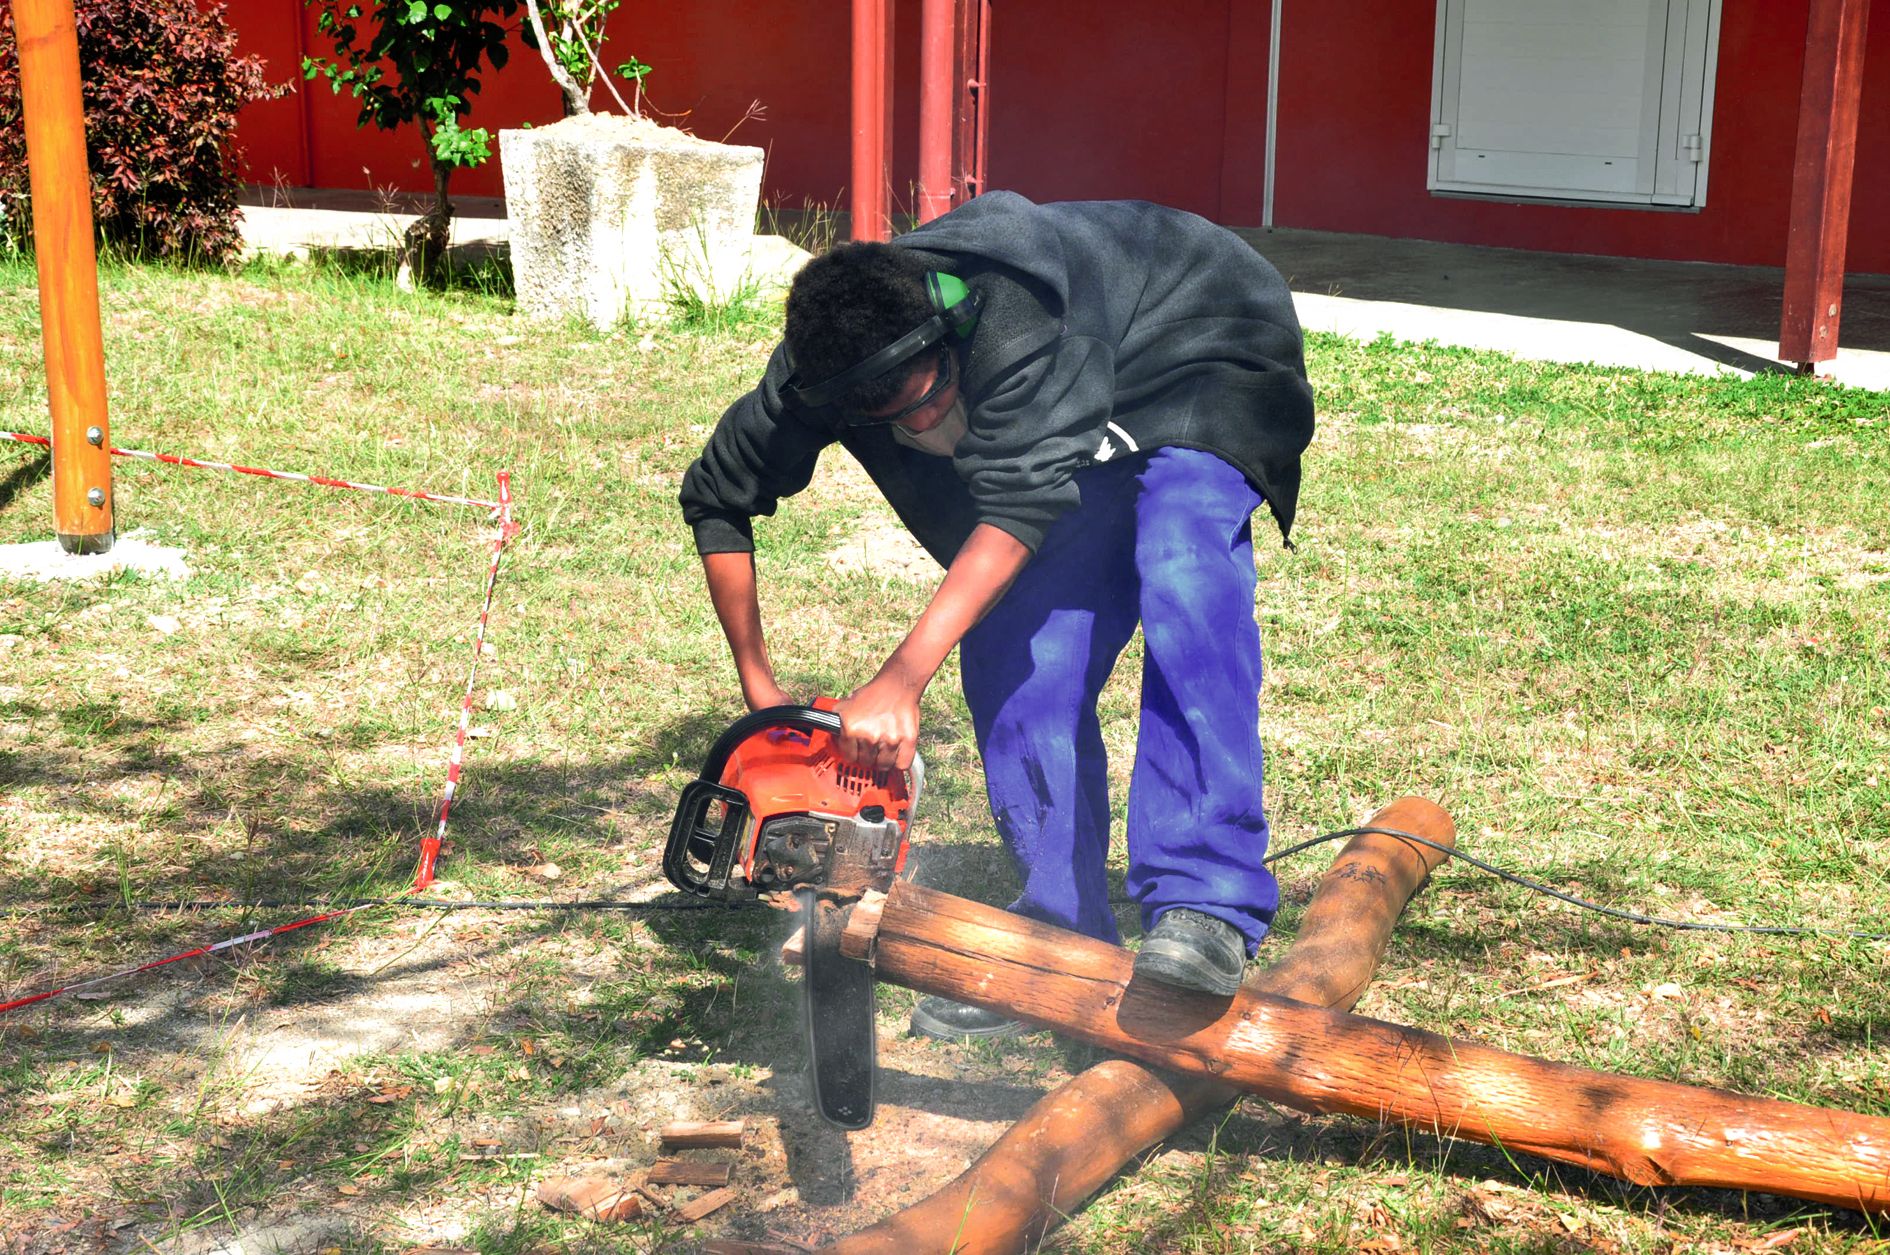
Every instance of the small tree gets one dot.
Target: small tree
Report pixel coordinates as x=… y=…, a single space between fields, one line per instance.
x=417 y=61
x=569 y=34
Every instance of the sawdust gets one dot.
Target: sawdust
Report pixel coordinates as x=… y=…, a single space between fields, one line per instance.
x=45 y=560
x=436 y=983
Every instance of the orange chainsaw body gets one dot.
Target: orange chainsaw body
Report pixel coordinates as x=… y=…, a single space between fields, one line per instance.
x=777 y=807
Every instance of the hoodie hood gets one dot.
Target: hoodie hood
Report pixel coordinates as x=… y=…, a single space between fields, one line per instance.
x=999 y=227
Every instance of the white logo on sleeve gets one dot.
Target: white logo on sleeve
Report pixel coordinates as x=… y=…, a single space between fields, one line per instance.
x=1105 y=450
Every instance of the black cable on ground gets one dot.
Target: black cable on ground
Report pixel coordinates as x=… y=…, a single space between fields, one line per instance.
x=688 y=904
x=1774 y=930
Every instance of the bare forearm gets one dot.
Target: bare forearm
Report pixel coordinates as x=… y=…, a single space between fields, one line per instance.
x=880 y=721
x=731 y=580
x=984 y=568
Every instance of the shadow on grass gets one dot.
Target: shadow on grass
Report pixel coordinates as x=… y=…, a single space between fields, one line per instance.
x=705 y=996
x=706 y=991
x=483 y=268
x=23 y=477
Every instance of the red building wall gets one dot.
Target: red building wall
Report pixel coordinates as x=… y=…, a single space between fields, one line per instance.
x=1165 y=102
x=1353 y=147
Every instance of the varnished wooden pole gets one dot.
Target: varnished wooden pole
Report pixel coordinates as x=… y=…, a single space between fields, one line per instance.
x=1647 y=1132
x=1828 y=106
x=68 y=272
x=1074 y=1140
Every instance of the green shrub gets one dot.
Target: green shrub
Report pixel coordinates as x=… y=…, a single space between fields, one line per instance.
x=162 y=86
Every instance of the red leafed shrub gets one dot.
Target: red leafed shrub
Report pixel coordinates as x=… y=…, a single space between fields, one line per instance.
x=162 y=86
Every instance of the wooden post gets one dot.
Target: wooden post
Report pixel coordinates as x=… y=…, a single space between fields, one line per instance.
x=871 y=196
x=1828 y=106
x=1647 y=1132
x=68 y=272
x=1074 y=1140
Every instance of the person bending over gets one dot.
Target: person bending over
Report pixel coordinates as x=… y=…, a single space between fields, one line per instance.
x=1076 y=409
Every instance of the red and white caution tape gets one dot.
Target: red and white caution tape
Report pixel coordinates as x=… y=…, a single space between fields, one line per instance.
x=429 y=846
x=229 y=944
x=325 y=481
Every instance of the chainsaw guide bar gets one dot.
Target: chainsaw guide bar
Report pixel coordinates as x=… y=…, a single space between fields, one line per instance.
x=776 y=809
x=842 y=1043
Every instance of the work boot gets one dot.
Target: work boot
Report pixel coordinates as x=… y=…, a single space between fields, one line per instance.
x=1192 y=950
x=946 y=1020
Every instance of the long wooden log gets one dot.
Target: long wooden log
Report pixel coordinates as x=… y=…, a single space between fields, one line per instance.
x=1647 y=1132
x=1075 y=1139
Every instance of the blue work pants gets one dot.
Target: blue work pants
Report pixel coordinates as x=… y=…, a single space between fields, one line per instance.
x=1163 y=539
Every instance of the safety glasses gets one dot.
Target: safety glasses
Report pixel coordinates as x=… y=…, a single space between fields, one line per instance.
x=939 y=384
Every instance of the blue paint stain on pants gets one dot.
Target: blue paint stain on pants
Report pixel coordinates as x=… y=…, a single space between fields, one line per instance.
x=1163 y=539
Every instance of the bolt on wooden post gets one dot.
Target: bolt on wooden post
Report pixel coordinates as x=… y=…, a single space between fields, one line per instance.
x=68 y=272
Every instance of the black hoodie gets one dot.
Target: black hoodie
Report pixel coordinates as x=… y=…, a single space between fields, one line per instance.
x=1107 y=328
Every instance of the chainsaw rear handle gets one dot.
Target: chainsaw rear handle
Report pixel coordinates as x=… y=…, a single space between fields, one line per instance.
x=816 y=718
x=698 y=859
x=706 y=874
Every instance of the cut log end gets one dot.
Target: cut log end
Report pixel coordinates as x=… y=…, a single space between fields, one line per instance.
x=856 y=940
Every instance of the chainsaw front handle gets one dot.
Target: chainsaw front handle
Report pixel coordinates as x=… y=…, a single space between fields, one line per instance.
x=807 y=719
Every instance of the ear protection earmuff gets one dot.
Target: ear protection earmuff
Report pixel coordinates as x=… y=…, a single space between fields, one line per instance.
x=954 y=313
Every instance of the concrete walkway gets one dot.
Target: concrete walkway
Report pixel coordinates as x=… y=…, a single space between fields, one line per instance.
x=297 y=221
x=1677 y=316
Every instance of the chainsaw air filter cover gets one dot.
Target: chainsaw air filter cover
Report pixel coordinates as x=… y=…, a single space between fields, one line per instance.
x=775 y=807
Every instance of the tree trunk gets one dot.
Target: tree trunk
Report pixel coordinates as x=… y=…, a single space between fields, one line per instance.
x=1647 y=1132
x=426 y=241
x=1074 y=1140
x=575 y=99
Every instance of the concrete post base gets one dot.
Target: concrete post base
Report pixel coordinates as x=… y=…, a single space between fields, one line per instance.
x=615 y=217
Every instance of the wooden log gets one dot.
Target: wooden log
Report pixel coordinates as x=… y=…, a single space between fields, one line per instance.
x=1075 y=1139
x=1320 y=1060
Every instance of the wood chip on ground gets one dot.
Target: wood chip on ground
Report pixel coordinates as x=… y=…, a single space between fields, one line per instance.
x=722 y=1133
x=696 y=1209
x=599 y=1198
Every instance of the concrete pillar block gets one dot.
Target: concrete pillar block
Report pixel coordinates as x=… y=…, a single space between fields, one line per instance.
x=613 y=217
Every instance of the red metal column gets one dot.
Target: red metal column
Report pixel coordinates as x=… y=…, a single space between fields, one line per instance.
x=305 y=175
x=870 y=201
x=1821 y=181
x=68 y=272
x=935 y=107
x=971 y=76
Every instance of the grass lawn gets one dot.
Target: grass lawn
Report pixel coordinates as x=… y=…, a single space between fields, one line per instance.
x=1630 y=629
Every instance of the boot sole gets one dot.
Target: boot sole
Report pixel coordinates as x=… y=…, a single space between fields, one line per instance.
x=1181 y=966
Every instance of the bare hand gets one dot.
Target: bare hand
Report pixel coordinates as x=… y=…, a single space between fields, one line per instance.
x=770 y=695
x=879 y=725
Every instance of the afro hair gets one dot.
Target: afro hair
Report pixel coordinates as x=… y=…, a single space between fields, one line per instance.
x=850 y=303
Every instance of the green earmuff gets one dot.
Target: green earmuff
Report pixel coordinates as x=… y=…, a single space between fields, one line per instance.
x=951 y=300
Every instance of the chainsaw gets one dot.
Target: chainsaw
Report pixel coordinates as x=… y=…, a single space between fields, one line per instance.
x=777 y=810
